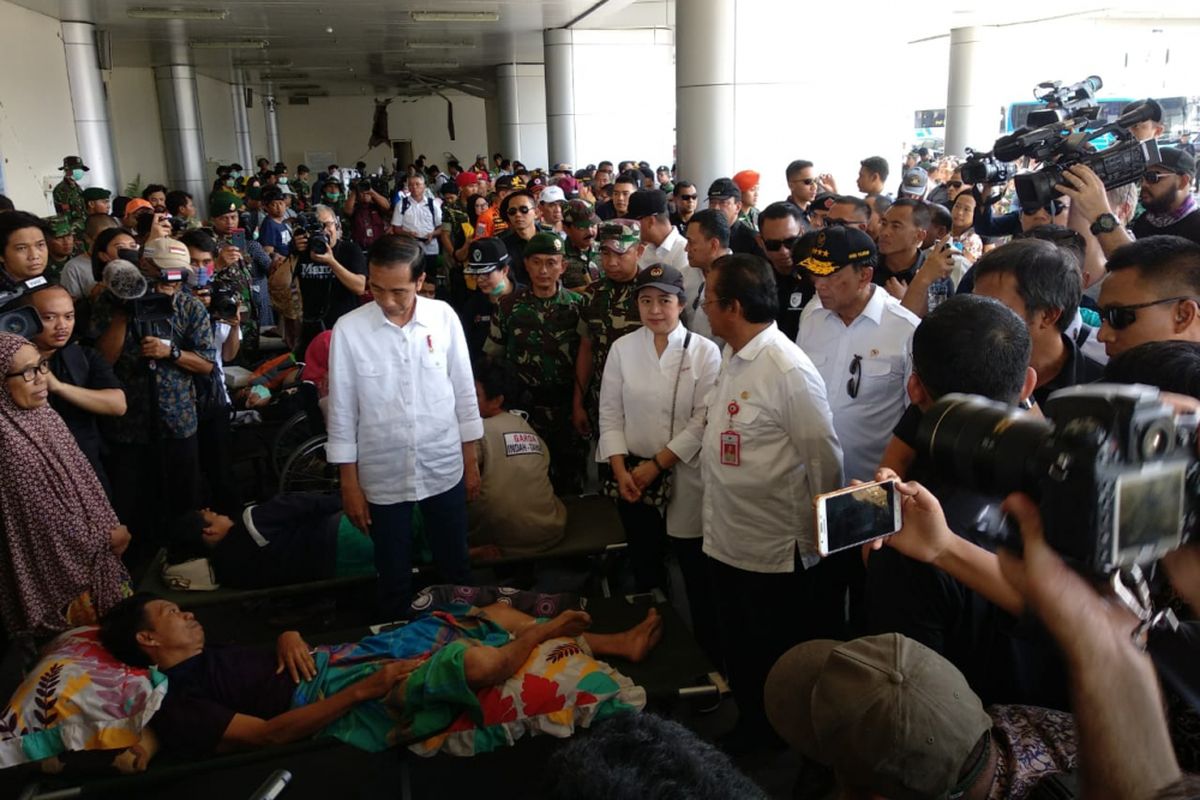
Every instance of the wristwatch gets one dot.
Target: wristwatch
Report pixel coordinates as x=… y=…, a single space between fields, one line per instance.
x=1105 y=223
x=175 y=352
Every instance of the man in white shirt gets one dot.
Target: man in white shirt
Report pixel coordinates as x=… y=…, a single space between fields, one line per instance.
x=664 y=244
x=769 y=449
x=418 y=214
x=860 y=340
x=403 y=421
x=707 y=240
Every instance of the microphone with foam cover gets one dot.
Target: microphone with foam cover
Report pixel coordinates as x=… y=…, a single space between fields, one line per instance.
x=124 y=280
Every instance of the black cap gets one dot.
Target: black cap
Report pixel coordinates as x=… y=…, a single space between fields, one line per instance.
x=1156 y=114
x=826 y=251
x=449 y=187
x=1178 y=161
x=647 y=203
x=662 y=277
x=271 y=193
x=236 y=167
x=485 y=255
x=724 y=188
x=823 y=201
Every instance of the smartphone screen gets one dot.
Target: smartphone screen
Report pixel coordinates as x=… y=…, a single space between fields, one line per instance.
x=238 y=239
x=856 y=516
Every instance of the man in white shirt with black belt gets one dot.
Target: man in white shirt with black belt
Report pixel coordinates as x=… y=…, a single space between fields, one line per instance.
x=860 y=340
x=769 y=449
x=419 y=214
x=403 y=421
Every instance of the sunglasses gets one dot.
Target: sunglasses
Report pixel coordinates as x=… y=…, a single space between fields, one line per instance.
x=954 y=184
x=514 y=210
x=775 y=244
x=1155 y=177
x=1054 y=208
x=1121 y=317
x=808 y=181
x=689 y=198
x=855 y=377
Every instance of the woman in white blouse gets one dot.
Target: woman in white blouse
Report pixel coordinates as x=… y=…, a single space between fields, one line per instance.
x=654 y=383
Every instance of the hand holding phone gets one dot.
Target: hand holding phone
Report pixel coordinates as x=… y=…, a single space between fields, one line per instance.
x=853 y=516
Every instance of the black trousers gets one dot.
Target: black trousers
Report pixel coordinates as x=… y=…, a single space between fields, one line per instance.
x=693 y=565
x=646 y=531
x=761 y=616
x=216 y=462
x=152 y=484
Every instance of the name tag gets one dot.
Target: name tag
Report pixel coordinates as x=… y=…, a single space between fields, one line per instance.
x=522 y=444
x=731 y=449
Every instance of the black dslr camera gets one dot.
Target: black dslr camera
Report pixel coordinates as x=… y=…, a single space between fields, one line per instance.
x=1113 y=469
x=223 y=303
x=23 y=321
x=1063 y=134
x=308 y=224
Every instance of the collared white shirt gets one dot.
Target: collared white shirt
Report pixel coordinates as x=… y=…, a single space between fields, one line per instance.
x=673 y=252
x=423 y=216
x=882 y=336
x=401 y=401
x=694 y=314
x=757 y=513
x=635 y=411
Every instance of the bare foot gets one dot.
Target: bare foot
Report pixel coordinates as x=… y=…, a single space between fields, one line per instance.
x=486 y=552
x=568 y=623
x=642 y=638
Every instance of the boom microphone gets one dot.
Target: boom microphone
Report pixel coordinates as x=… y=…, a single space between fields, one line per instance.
x=124 y=280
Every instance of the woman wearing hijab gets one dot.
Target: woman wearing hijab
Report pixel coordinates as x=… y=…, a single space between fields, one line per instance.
x=60 y=563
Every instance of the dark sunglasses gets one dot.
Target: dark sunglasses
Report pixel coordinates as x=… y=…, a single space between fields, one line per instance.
x=775 y=244
x=514 y=210
x=1155 y=177
x=855 y=376
x=808 y=181
x=1054 y=208
x=954 y=184
x=1121 y=317
x=689 y=197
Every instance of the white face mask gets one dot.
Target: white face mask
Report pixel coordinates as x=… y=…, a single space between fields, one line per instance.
x=283 y=181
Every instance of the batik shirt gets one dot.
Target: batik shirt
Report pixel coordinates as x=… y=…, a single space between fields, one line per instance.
x=1032 y=743
x=540 y=336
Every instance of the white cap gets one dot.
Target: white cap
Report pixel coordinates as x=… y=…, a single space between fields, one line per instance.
x=552 y=194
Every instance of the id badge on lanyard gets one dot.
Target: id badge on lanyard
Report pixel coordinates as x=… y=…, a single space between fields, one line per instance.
x=731 y=440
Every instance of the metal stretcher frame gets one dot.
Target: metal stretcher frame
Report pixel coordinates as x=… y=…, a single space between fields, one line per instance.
x=676 y=669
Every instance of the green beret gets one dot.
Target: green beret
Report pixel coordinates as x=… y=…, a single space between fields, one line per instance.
x=222 y=203
x=96 y=193
x=544 y=242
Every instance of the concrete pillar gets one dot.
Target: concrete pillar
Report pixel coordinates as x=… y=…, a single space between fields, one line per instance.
x=90 y=104
x=273 y=152
x=559 y=55
x=521 y=112
x=179 y=109
x=241 y=121
x=705 y=48
x=971 y=106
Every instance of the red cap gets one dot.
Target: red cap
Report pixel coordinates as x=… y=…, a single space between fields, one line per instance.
x=746 y=180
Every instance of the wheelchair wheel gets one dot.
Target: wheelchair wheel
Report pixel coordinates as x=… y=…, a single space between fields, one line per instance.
x=307 y=471
x=291 y=434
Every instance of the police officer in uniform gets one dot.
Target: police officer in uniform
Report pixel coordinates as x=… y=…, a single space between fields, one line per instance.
x=68 y=195
x=581 y=256
x=538 y=331
x=487 y=263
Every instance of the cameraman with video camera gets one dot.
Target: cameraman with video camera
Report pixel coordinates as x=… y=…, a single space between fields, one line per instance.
x=330 y=270
x=367 y=211
x=156 y=340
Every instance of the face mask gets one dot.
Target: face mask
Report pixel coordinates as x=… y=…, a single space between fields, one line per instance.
x=229 y=181
x=283 y=181
x=76 y=174
x=236 y=174
x=499 y=288
x=132 y=256
x=333 y=198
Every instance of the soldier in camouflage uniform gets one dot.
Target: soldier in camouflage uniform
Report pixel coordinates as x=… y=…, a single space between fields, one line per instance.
x=60 y=246
x=537 y=329
x=232 y=268
x=453 y=237
x=68 y=196
x=302 y=188
x=581 y=257
x=609 y=312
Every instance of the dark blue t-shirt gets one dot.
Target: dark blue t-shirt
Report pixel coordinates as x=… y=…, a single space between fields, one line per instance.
x=277 y=235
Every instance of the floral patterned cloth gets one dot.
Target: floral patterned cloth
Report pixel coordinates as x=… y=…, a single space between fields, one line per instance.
x=1033 y=743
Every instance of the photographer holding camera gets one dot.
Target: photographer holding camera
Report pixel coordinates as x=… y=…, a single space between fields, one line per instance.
x=330 y=271
x=156 y=344
x=367 y=211
x=232 y=263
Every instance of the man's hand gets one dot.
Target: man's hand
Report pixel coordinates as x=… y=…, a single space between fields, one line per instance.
x=377 y=685
x=300 y=241
x=1088 y=197
x=827 y=183
x=354 y=504
x=939 y=262
x=323 y=258
x=473 y=480
x=293 y=654
x=160 y=228
x=579 y=419
x=227 y=257
x=53 y=383
x=627 y=486
x=896 y=288
x=153 y=347
x=924 y=534
x=118 y=539
x=645 y=474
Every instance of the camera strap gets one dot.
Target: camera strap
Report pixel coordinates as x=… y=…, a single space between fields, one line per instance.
x=1132 y=591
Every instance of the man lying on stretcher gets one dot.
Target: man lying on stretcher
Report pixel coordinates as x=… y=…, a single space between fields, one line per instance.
x=399 y=686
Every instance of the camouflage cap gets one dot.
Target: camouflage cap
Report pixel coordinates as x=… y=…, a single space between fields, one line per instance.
x=619 y=235
x=223 y=202
x=59 y=225
x=96 y=193
x=544 y=243
x=580 y=214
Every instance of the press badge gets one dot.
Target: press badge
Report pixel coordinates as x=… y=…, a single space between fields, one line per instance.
x=731 y=449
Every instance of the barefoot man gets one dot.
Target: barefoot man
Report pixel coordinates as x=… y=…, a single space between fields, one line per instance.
x=398 y=686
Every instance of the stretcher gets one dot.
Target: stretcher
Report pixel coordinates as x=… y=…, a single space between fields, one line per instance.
x=675 y=670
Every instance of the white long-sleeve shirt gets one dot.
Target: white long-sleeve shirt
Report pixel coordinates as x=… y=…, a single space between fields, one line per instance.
x=757 y=512
x=881 y=339
x=635 y=411
x=673 y=252
x=401 y=401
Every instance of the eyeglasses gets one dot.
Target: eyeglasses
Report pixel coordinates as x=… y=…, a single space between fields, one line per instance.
x=808 y=181
x=855 y=376
x=1121 y=317
x=514 y=210
x=774 y=244
x=954 y=184
x=29 y=373
x=1155 y=177
x=688 y=198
